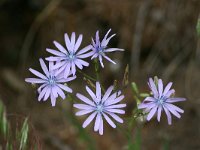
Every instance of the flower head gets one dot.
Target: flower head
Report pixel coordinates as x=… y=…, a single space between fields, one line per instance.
x=100 y=47
x=51 y=83
x=101 y=106
x=68 y=59
x=160 y=101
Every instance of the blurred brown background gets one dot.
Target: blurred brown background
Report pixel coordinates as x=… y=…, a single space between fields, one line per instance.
x=159 y=38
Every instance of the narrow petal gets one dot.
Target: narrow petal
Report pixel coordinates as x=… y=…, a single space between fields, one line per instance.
x=117 y=106
x=93 y=96
x=85 y=99
x=67 y=42
x=51 y=64
x=84 y=112
x=110 y=122
x=149 y=99
x=143 y=105
x=84 y=50
x=97 y=122
x=101 y=126
x=78 y=64
x=73 y=68
x=98 y=91
x=105 y=42
x=97 y=36
x=38 y=74
x=107 y=93
x=54 y=52
x=177 y=99
x=114 y=116
x=35 y=80
x=109 y=59
x=59 y=64
x=86 y=55
x=159 y=113
x=110 y=99
x=82 y=62
x=53 y=100
x=78 y=43
x=147 y=105
x=60 y=92
x=41 y=87
x=171 y=106
x=160 y=87
x=174 y=112
x=95 y=55
x=153 y=87
x=55 y=92
x=67 y=70
x=44 y=67
x=93 y=43
x=89 y=119
x=42 y=93
x=113 y=49
x=47 y=94
x=167 y=88
x=66 y=80
x=119 y=111
x=115 y=101
x=169 y=117
x=151 y=113
x=60 y=47
x=101 y=61
x=61 y=70
x=105 y=37
x=169 y=93
x=83 y=106
x=73 y=40
x=56 y=58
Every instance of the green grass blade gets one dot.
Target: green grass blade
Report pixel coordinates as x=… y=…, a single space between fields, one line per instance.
x=24 y=135
x=137 y=144
x=134 y=87
x=3 y=121
x=9 y=146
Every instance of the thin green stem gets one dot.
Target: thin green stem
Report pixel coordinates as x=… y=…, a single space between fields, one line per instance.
x=97 y=69
x=86 y=76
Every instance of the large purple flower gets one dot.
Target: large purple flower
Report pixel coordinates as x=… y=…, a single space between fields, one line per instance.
x=68 y=59
x=160 y=101
x=101 y=106
x=51 y=83
x=100 y=48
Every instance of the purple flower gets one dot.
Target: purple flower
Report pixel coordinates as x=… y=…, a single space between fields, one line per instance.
x=51 y=83
x=160 y=101
x=100 y=48
x=101 y=106
x=68 y=59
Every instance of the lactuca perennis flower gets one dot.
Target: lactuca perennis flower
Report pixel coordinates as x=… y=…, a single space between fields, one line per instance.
x=100 y=48
x=101 y=106
x=162 y=100
x=52 y=84
x=68 y=59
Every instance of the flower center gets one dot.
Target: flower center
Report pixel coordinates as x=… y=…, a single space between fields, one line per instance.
x=52 y=80
x=71 y=56
x=99 y=107
x=100 y=50
x=161 y=100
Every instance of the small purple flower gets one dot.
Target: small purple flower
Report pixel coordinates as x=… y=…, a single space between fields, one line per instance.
x=100 y=48
x=68 y=59
x=160 y=101
x=51 y=83
x=101 y=107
